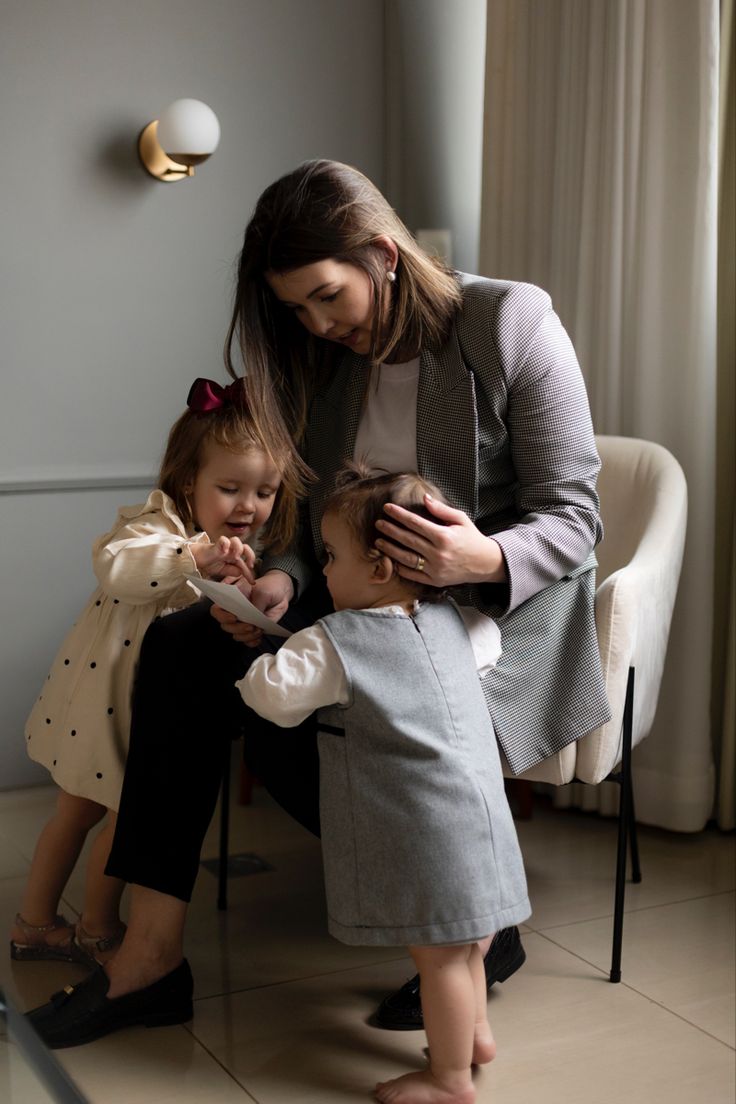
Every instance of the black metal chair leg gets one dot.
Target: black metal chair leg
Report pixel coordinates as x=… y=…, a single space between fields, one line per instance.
x=633 y=835
x=224 y=832
x=623 y=826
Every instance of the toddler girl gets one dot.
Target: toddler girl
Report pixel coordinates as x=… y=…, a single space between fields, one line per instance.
x=219 y=484
x=418 y=841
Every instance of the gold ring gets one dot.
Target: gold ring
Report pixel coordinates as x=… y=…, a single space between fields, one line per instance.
x=419 y=565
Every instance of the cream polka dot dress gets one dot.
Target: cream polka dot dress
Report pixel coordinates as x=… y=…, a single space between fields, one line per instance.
x=78 y=728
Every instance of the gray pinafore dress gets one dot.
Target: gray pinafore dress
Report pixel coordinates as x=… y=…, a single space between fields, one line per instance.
x=418 y=841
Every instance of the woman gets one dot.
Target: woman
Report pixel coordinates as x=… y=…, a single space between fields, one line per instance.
x=365 y=346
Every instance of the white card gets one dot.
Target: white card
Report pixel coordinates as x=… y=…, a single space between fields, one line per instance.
x=234 y=601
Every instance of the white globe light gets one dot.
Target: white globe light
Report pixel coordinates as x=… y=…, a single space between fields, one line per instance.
x=188 y=131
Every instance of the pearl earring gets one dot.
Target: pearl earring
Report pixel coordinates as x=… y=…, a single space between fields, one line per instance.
x=391 y=277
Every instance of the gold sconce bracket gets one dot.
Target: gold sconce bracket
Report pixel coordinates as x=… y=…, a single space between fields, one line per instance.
x=155 y=161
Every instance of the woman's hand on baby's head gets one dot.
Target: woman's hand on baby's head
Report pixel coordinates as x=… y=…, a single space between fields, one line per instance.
x=445 y=552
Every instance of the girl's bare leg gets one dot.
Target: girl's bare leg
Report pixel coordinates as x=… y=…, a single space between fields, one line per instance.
x=54 y=858
x=153 y=943
x=100 y=913
x=449 y=1005
x=100 y=923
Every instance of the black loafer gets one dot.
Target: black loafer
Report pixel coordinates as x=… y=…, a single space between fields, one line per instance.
x=80 y=1013
x=402 y=1010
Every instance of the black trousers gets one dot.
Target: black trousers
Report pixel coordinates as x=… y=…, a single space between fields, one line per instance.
x=186 y=712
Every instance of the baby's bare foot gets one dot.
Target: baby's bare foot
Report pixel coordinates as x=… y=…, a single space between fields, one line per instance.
x=484 y=1045
x=424 y=1088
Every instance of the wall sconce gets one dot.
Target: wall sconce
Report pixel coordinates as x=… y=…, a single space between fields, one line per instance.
x=185 y=136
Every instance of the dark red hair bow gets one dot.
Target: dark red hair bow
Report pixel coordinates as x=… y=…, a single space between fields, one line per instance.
x=205 y=395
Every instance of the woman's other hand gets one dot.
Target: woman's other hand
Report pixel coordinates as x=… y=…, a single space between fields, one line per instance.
x=270 y=594
x=449 y=553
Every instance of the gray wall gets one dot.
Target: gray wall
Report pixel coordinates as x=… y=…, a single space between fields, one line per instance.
x=114 y=289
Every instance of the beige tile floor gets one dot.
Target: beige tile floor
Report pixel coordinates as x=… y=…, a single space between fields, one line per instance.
x=281 y=1009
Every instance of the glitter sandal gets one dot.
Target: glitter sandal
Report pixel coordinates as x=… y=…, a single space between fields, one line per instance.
x=36 y=947
x=97 y=949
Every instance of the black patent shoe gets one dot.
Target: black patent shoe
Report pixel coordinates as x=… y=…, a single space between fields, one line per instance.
x=402 y=1010
x=80 y=1013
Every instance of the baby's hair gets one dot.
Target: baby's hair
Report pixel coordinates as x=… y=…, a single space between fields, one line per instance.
x=233 y=426
x=358 y=499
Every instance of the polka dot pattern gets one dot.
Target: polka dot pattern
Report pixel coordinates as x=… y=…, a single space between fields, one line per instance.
x=79 y=724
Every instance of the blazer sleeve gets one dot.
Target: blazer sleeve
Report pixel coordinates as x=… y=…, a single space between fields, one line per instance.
x=552 y=447
x=298 y=561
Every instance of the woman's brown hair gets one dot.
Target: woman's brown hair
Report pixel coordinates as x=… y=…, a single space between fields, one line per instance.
x=234 y=427
x=358 y=499
x=325 y=209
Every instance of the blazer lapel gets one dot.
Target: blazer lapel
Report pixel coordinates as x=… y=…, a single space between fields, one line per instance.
x=352 y=405
x=447 y=426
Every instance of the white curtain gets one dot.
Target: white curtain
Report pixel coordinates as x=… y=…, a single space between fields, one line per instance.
x=724 y=634
x=600 y=185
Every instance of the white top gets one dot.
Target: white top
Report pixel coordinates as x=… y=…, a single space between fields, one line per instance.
x=387 y=431
x=306 y=673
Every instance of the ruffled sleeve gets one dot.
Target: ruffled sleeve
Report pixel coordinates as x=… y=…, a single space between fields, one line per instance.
x=146 y=554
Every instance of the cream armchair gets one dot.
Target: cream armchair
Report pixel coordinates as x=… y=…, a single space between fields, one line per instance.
x=644 y=508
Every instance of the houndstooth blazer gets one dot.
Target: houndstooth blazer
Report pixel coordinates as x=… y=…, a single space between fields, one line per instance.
x=504 y=430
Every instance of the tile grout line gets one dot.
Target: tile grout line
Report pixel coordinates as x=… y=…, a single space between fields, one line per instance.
x=679 y=1016
x=639 y=993
x=217 y=1062
x=629 y=912
x=292 y=981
